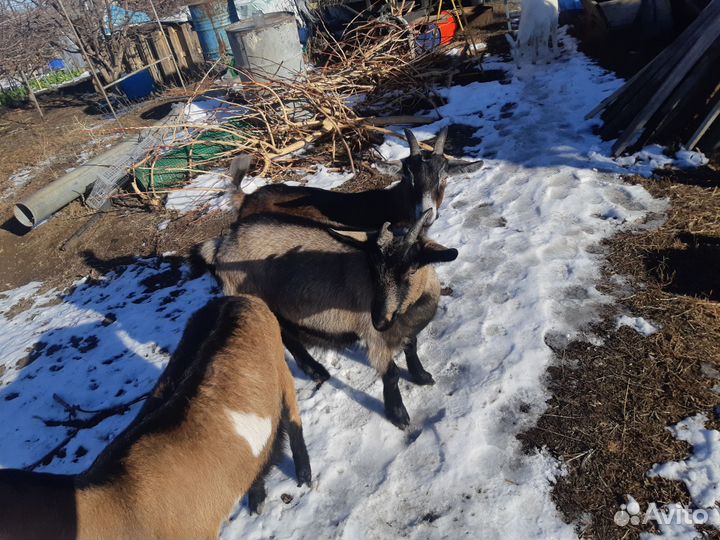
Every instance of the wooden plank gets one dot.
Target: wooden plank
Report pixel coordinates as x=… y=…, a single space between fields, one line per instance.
x=133 y=56
x=178 y=51
x=121 y=79
x=659 y=66
x=191 y=44
x=148 y=55
x=702 y=129
x=683 y=101
x=707 y=38
x=618 y=116
x=163 y=51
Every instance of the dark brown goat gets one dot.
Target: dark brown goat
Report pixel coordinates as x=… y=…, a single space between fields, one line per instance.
x=421 y=188
x=204 y=438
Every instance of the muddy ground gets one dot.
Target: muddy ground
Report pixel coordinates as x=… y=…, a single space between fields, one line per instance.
x=72 y=132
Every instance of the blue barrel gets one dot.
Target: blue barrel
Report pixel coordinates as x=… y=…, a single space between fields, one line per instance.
x=139 y=86
x=209 y=21
x=571 y=5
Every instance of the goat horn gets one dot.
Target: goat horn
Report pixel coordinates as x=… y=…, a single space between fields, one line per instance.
x=412 y=141
x=440 y=142
x=412 y=235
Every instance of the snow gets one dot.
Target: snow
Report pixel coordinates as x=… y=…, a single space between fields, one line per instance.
x=103 y=343
x=526 y=226
x=210 y=111
x=325 y=179
x=700 y=473
x=640 y=325
x=645 y=161
x=210 y=191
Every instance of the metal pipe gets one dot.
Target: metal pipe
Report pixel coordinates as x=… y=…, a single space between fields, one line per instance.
x=45 y=202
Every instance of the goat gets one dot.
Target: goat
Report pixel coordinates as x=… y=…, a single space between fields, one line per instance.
x=204 y=438
x=421 y=188
x=538 y=23
x=333 y=288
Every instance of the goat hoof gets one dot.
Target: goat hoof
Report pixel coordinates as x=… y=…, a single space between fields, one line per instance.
x=422 y=378
x=304 y=476
x=398 y=416
x=317 y=373
x=256 y=501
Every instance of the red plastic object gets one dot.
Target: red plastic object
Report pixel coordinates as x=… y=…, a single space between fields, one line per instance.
x=447 y=25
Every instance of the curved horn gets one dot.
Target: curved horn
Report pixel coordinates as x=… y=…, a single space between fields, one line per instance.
x=412 y=235
x=412 y=141
x=440 y=142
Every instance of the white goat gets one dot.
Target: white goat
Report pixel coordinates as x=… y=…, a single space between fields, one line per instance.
x=538 y=24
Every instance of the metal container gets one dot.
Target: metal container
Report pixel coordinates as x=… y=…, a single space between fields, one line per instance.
x=267 y=46
x=209 y=21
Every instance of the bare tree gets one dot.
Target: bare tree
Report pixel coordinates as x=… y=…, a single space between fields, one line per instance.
x=103 y=28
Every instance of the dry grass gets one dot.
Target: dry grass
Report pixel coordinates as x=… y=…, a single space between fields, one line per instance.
x=611 y=404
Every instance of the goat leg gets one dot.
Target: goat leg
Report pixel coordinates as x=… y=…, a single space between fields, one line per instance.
x=293 y=426
x=256 y=495
x=311 y=367
x=299 y=453
x=415 y=367
x=395 y=410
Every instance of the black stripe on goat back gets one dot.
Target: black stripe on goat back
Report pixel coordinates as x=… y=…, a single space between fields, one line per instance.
x=290 y=219
x=206 y=333
x=365 y=209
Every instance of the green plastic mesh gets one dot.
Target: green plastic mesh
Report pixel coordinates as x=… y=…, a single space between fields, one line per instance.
x=177 y=165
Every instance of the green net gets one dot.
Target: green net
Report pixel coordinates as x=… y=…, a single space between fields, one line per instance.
x=178 y=165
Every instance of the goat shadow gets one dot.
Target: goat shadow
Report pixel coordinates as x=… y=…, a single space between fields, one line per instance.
x=102 y=343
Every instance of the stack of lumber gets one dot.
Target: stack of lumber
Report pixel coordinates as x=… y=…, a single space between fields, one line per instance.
x=673 y=99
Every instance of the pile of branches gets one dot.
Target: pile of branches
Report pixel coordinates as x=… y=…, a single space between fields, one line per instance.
x=372 y=66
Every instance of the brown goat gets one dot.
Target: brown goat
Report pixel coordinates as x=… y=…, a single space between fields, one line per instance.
x=421 y=189
x=203 y=439
x=333 y=288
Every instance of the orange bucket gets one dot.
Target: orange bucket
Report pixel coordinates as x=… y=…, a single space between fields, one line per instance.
x=447 y=25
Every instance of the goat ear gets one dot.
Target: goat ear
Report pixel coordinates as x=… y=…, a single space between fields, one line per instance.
x=432 y=252
x=239 y=168
x=353 y=238
x=390 y=168
x=460 y=166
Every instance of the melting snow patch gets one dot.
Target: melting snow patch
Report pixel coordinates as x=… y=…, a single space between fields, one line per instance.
x=650 y=158
x=210 y=191
x=105 y=343
x=701 y=471
x=325 y=179
x=701 y=475
x=640 y=325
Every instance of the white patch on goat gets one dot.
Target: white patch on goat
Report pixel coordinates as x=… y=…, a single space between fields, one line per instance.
x=251 y=427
